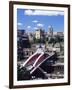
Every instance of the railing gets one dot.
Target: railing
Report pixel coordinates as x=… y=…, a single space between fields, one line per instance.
x=40 y=61
x=42 y=58
x=32 y=60
x=28 y=59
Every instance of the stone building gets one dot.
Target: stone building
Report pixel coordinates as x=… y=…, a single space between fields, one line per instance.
x=39 y=34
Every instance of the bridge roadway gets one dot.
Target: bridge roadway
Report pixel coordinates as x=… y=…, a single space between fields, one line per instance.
x=40 y=61
x=34 y=61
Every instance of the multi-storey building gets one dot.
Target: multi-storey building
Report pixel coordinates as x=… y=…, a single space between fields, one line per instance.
x=22 y=43
x=50 y=31
x=31 y=37
x=39 y=34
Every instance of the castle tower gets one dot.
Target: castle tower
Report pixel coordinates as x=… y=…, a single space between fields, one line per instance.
x=50 y=31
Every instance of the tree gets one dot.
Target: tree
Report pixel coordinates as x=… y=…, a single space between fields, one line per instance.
x=59 y=40
x=47 y=39
x=52 y=40
x=23 y=74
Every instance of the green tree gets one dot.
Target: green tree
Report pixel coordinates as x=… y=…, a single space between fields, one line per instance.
x=23 y=74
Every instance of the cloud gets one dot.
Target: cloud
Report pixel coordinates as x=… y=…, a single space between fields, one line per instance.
x=43 y=12
x=35 y=28
x=40 y=25
x=28 y=27
x=19 y=24
x=28 y=12
x=35 y=21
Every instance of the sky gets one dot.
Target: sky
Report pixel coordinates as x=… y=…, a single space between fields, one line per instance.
x=30 y=20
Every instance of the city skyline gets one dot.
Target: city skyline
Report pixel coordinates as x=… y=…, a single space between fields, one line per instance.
x=30 y=20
